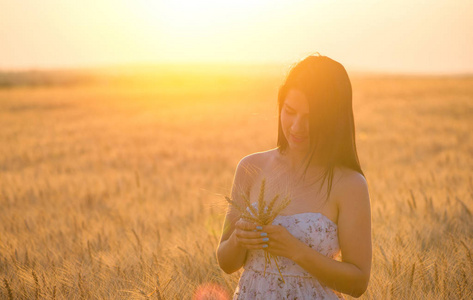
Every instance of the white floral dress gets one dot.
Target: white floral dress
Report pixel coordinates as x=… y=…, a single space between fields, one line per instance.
x=315 y=230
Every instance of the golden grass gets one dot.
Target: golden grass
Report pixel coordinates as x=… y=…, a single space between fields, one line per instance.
x=114 y=192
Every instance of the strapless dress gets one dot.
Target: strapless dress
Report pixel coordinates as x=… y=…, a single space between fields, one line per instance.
x=315 y=230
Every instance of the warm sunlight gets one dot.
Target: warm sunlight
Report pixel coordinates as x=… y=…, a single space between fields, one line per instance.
x=208 y=30
x=247 y=149
x=208 y=16
x=394 y=36
x=282 y=30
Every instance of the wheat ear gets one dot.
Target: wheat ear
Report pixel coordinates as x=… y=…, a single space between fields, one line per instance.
x=248 y=204
x=233 y=203
x=271 y=204
x=250 y=218
x=281 y=206
x=261 y=198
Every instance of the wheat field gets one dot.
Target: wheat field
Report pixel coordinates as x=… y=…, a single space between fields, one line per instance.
x=115 y=190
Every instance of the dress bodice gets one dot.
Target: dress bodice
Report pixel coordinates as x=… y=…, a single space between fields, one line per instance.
x=314 y=229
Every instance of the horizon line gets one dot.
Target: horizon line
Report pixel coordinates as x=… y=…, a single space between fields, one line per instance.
x=284 y=66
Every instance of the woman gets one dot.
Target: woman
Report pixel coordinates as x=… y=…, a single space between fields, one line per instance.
x=323 y=237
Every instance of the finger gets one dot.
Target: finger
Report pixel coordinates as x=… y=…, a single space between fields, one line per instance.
x=250 y=234
x=242 y=224
x=245 y=225
x=271 y=228
x=258 y=241
x=256 y=247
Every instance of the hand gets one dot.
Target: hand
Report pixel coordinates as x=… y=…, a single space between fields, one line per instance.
x=250 y=236
x=282 y=242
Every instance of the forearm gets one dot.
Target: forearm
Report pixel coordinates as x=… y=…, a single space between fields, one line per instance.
x=231 y=255
x=340 y=276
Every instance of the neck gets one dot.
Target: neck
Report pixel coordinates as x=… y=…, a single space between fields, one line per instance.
x=296 y=162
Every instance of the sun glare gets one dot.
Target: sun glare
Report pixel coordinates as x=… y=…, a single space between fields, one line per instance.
x=175 y=17
x=196 y=25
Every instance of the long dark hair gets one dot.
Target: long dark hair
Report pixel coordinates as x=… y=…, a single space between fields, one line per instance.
x=326 y=85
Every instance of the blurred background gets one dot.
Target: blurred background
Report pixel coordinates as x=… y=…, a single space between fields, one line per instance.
x=122 y=122
x=429 y=37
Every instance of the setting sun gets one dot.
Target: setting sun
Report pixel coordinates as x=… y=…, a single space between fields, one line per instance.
x=204 y=149
x=392 y=36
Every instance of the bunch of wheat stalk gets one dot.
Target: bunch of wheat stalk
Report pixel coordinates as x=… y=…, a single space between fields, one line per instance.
x=263 y=215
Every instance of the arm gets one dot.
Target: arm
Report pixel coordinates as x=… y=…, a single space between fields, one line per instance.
x=351 y=276
x=231 y=255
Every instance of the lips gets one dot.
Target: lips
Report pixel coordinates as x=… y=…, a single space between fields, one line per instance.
x=298 y=138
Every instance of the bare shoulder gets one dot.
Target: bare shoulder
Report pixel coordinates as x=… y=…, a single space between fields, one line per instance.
x=352 y=188
x=260 y=157
x=352 y=178
x=251 y=166
x=257 y=160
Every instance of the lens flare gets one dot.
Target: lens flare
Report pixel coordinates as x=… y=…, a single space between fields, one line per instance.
x=210 y=291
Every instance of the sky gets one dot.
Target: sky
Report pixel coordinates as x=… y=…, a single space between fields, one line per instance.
x=402 y=36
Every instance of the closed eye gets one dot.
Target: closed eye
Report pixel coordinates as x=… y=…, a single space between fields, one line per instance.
x=288 y=111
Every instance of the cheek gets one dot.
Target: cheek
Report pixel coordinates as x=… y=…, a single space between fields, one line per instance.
x=286 y=123
x=285 y=120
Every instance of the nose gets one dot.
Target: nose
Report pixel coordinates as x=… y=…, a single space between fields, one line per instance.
x=299 y=126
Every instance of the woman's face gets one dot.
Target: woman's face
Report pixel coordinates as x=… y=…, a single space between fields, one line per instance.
x=295 y=120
